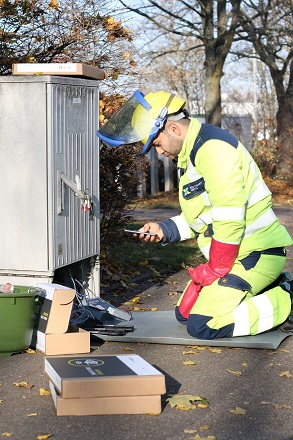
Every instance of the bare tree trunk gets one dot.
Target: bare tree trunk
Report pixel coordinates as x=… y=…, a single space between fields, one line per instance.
x=218 y=39
x=213 y=103
x=284 y=124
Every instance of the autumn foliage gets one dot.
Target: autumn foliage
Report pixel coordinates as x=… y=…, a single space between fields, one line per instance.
x=53 y=31
x=266 y=156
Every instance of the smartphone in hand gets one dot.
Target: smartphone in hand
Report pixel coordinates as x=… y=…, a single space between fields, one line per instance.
x=130 y=231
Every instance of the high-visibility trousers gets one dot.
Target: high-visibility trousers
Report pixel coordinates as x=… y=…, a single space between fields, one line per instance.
x=245 y=302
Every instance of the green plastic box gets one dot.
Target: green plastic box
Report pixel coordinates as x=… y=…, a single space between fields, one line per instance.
x=17 y=313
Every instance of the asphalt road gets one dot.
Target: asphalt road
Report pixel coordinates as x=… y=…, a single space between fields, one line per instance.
x=259 y=382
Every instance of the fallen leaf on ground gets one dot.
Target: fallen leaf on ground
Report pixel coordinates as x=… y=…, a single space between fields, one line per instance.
x=209 y=437
x=153 y=309
x=128 y=349
x=189 y=352
x=156 y=273
x=190 y=363
x=184 y=402
x=32 y=414
x=282 y=406
x=285 y=374
x=235 y=373
x=23 y=385
x=30 y=351
x=189 y=431
x=7 y=434
x=238 y=411
x=43 y=436
x=216 y=350
x=44 y=392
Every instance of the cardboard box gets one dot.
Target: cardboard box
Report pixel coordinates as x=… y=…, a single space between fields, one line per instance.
x=64 y=69
x=104 y=376
x=54 y=308
x=52 y=333
x=75 y=340
x=106 y=405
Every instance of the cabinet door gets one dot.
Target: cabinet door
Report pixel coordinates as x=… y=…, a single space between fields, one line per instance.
x=72 y=150
x=23 y=192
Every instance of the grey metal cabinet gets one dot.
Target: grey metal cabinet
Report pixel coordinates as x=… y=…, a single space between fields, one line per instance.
x=49 y=171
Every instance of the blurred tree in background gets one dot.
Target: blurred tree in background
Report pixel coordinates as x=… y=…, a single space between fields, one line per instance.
x=209 y=26
x=261 y=29
x=267 y=30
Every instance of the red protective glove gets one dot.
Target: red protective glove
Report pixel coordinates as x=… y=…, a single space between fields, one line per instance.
x=222 y=257
x=188 y=300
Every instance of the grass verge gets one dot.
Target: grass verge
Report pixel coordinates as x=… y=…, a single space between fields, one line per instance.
x=130 y=258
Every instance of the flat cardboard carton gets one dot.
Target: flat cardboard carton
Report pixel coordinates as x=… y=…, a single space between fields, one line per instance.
x=64 y=69
x=79 y=377
x=106 y=405
x=52 y=333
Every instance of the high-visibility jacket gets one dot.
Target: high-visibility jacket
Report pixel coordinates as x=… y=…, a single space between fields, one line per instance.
x=222 y=194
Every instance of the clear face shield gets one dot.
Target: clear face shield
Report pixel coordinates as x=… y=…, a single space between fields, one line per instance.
x=133 y=122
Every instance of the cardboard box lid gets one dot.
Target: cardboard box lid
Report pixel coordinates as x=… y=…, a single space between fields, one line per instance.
x=64 y=69
x=49 y=290
x=105 y=375
x=56 y=308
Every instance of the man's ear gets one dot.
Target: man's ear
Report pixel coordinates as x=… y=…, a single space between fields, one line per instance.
x=173 y=128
